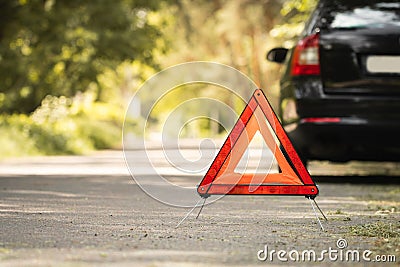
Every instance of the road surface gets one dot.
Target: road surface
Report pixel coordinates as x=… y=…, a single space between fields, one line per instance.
x=88 y=211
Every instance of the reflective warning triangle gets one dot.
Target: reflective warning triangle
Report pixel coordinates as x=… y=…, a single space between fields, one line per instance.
x=221 y=178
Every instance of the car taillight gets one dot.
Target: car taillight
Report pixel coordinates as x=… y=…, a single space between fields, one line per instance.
x=320 y=120
x=306 y=57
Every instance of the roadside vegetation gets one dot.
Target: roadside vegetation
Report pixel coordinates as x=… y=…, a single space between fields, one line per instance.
x=62 y=125
x=386 y=234
x=69 y=68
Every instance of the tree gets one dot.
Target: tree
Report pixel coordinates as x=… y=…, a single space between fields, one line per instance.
x=230 y=32
x=59 y=47
x=294 y=15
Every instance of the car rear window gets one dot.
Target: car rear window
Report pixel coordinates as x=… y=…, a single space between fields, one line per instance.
x=361 y=14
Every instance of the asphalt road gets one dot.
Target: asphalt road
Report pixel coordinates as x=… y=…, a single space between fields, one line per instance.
x=88 y=211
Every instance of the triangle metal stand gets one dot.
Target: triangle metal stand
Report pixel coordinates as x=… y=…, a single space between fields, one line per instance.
x=312 y=201
x=190 y=211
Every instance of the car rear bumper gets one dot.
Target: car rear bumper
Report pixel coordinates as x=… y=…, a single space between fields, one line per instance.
x=344 y=139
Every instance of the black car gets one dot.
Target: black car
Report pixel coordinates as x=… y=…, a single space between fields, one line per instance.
x=340 y=92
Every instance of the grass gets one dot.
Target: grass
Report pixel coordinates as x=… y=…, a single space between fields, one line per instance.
x=387 y=234
x=377 y=229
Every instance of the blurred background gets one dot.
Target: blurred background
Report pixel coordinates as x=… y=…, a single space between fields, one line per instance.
x=69 y=68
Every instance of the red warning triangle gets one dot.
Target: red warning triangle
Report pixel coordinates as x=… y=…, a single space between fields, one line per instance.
x=221 y=178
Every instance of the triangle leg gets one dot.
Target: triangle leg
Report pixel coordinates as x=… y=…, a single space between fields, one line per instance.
x=316 y=215
x=187 y=214
x=201 y=208
x=315 y=202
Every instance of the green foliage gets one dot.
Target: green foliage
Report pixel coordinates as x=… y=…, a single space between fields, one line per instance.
x=229 y=32
x=14 y=139
x=235 y=33
x=294 y=15
x=59 y=47
x=199 y=127
x=101 y=134
x=72 y=66
x=62 y=126
x=117 y=86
